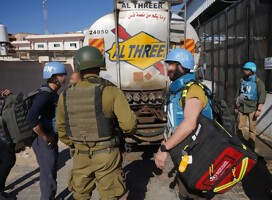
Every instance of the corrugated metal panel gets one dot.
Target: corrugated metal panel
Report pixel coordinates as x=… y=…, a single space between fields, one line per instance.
x=196 y=8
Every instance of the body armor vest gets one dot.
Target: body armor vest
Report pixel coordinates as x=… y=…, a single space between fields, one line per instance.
x=178 y=90
x=84 y=117
x=4 y=134
x=249 y=88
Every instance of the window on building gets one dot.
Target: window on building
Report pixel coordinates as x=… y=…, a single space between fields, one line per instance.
x=40 y=46
x=56 y=45
x=73 y=45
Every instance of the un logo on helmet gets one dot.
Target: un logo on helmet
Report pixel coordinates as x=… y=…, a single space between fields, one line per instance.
x=49 y=69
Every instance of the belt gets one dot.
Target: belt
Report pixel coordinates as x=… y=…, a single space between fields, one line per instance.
x=110 y=143
x=107 y=150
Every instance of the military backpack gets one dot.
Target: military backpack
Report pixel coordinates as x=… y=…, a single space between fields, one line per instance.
x=14 y=109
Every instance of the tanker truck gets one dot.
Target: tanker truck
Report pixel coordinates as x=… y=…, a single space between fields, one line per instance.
x=134 y=39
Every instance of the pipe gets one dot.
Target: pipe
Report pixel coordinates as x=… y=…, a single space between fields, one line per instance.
x=149 y=126
x=225 y=1
x=116 y=17
x=152 y=134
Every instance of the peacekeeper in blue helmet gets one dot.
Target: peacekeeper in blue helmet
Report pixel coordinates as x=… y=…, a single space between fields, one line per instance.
x=182 y=121
x=41 y=117
x=90 y=115
x=251 y=96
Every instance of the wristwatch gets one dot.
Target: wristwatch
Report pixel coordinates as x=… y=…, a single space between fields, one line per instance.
x=259 y=110
x=163 y=148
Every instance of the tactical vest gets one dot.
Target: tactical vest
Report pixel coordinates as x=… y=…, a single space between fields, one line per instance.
x=178 y=90
x=84 y=117
x=4 y=134
x=248 y=88
x=13 y=115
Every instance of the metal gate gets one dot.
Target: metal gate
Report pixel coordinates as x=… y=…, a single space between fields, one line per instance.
x=240 y=33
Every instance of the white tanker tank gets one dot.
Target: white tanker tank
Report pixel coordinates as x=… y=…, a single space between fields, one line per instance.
x=146 y=31
x=3 y=40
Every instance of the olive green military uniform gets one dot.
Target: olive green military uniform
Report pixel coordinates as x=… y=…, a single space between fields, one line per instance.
x=98 y=164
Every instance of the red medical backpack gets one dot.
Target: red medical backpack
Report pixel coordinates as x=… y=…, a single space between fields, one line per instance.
x=219 y=160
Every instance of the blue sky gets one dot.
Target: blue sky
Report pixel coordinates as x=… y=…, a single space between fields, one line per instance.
x=63 y=15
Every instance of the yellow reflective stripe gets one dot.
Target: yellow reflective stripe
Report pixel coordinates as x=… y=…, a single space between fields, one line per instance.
x=244 y=147
x=200 y=85
x=241 y=175
x=184 y=93
x=189 y=84
x=244 y=167
x=223 y=128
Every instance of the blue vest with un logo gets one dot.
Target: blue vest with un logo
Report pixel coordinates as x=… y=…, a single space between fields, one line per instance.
x=175 y=113
x=249 y=88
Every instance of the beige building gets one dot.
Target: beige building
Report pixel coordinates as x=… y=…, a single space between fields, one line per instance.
x=21 y=36
x=52 y=42
x=49 y=47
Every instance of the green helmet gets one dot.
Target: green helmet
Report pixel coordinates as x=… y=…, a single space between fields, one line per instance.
x=88 y=57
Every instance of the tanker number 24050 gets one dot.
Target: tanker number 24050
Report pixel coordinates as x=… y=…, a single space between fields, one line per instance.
x=93 y=32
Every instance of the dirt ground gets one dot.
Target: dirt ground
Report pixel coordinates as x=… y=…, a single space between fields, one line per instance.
x=143 y=179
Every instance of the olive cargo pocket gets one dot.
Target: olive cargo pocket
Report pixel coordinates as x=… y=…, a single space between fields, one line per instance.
x=119 y=183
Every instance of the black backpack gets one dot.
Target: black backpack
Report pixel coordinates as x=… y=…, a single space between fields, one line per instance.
x=221 y=112
x=212 y=159
x=13 y=115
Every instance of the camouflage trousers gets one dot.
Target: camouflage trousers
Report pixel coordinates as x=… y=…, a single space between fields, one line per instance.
x=102 y=171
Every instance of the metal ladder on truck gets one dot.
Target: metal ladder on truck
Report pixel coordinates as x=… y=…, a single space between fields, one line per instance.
x=176 y=27
x=116 y=23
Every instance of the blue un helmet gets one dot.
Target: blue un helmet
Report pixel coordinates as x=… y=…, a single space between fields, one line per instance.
x=251 y=66
x=182 y=56
x=52 y=68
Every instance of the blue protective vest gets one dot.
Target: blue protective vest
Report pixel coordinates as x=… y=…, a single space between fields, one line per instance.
x=248 y=88
x=175 y=113
x=48 y=117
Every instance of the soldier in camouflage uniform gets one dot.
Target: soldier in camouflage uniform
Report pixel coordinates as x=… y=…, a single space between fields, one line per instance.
x=89 y=117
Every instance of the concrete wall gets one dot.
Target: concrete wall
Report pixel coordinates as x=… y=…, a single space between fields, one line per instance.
x=23 y=47
x=264 y=123
x=23 y=76
x=43 y=59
